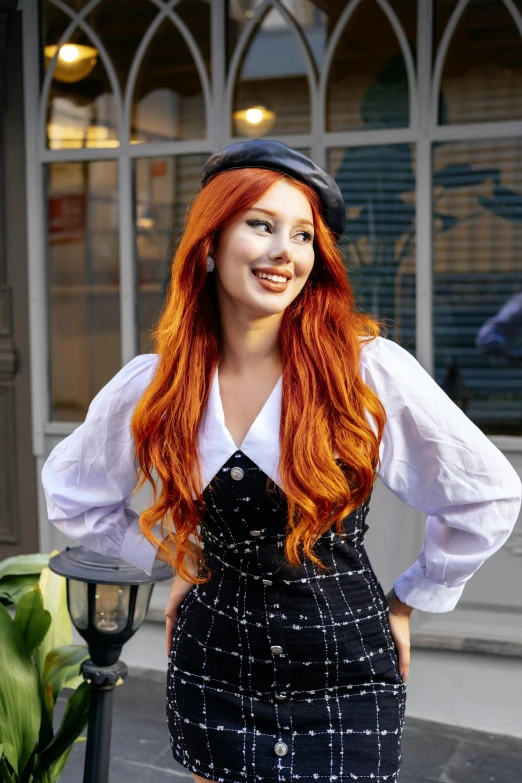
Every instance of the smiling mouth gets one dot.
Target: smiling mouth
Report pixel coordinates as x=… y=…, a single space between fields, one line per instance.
x=271 y=285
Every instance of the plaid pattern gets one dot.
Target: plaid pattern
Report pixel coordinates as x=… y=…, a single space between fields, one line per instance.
x=279 y=673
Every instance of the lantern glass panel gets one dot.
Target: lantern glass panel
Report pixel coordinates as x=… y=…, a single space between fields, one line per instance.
x=142 y=603
x=111 y=609
x=78 y=604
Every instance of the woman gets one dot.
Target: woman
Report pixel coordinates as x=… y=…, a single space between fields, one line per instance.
x=262 y=420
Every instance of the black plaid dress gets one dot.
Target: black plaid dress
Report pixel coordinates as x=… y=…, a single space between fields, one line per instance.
x=279 y=673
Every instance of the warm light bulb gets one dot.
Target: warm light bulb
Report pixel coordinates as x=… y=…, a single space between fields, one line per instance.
x=69 y=53
x=254 y=116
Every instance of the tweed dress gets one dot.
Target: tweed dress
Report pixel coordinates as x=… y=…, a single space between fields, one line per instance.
x=279 y=673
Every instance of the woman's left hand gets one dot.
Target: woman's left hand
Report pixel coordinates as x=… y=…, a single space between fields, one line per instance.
x=400 y=628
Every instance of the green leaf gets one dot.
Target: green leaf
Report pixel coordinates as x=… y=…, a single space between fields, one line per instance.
x=73 y=723
x=19 y=696
x=53 y=588
x=32 y=620
x=46 y=725
x=5 y=775
x=23 y=564
x=58 y=665
x=12 y=588
x=56 y=769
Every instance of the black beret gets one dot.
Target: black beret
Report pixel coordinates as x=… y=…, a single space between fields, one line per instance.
x=275 y=155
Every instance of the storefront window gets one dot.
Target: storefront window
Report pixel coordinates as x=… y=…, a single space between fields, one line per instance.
x=378 y=187
x=272 y=94
x=482 y=74
x=168 y=98
x=164 y=188
x=84 y=283
x=477 y=194
x=81 y=107
x=368 y=82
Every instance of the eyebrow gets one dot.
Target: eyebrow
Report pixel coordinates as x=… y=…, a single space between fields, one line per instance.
x=274 y=214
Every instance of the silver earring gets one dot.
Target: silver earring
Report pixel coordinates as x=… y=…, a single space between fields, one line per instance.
x=210 y=264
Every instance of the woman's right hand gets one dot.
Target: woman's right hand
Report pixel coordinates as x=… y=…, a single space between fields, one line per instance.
x=179 y=590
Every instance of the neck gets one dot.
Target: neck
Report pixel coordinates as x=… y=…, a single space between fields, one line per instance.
x=250 y=345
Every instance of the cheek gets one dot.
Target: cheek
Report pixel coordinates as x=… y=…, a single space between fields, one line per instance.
x=305 y=265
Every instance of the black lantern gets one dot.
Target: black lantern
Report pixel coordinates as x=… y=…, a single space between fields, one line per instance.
x=108 y=600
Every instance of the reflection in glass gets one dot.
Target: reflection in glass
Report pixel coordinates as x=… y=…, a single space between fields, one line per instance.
x=168 y=99
x=121 y=25
x=482 y=76
x=477 y=192
x=142 y=604
x=164 y=188
x=196 y=15
x=81 y=110
x=368 y=83
x=378 y=187
x=312 y=20
x=272 y=92
x=111 y=607
x=78 y=603
x=84 y=283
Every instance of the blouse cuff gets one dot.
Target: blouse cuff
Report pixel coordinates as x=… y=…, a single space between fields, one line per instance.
x=135 y=549
x=416 y=590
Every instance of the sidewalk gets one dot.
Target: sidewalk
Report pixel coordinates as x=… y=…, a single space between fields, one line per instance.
x=431 y=752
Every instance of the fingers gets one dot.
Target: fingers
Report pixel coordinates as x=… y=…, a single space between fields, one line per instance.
x=400 y=629
x=404 y=661
x=170 y=625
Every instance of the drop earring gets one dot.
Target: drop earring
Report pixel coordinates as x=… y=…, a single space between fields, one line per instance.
x=210 y=264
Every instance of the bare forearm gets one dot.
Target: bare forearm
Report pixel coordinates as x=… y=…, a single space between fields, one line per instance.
x=397 y=606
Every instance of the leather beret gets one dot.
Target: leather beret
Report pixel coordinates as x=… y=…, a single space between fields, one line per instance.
x=275 y=155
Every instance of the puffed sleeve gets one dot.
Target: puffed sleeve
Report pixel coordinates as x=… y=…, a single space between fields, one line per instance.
x=89 y=476
x=436 y=460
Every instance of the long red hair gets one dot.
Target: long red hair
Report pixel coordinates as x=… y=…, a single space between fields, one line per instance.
x=323 y=397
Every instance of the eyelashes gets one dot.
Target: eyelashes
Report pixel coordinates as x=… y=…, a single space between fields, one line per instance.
x=254 y=223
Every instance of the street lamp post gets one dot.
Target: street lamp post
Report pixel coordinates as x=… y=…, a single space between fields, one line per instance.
x=108 y=600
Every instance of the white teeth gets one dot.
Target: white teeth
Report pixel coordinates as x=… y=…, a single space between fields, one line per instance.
x=275 y=278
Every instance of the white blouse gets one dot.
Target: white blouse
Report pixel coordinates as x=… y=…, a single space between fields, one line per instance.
x=432 y=457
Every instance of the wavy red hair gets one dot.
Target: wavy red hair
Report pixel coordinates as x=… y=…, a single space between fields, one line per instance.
x=323 y=397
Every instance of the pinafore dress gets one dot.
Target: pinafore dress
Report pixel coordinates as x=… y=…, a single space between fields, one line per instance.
x=281 y=673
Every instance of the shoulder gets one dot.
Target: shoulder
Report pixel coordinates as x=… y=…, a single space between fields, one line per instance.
x=395 y=375
x=127 y=386
x=380 y=356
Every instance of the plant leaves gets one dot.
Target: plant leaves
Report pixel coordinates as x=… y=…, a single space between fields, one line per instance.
x=5 y=775
x=31 y=619
x=56 y=769
x=73 y=723
x=53 y=588
x=23 y=564
x=12 y=588
x=19 y=696
x=46 y=726
x=58 y=666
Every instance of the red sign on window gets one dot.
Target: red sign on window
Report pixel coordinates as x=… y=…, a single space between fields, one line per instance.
x=66 y=217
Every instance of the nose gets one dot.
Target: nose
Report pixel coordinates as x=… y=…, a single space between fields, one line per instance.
x=281 y=249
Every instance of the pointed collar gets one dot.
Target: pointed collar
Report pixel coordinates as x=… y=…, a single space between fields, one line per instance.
x=261 y=443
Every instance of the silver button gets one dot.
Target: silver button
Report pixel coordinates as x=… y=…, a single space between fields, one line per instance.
x=267 y=582
x=276 y=649
x=256 y=532
x=280 y=696
x=281 y=749
x=237 y=473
